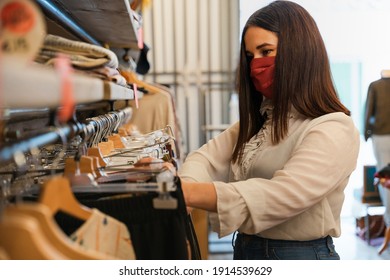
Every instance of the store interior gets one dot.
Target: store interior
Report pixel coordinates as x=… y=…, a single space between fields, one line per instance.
x=89 y=88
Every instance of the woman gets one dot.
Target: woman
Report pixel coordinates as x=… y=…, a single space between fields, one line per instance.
x=277 y=177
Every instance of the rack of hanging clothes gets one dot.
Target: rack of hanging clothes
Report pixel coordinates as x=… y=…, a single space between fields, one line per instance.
x=156 y=108
x=145 y=198
x=64 y=133
x=86 y=185
x=136 y=191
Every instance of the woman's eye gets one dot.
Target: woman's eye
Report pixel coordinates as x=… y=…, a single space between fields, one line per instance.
x=266 y=52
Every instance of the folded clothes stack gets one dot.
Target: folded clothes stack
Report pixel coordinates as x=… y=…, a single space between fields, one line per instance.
x=90 y=59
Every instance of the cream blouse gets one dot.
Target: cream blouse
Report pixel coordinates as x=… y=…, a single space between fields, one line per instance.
x=290 y=191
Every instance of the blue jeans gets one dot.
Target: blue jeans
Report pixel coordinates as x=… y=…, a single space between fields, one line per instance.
x=252 y=247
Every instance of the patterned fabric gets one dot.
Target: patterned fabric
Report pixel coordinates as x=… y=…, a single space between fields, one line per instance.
x=105 y=234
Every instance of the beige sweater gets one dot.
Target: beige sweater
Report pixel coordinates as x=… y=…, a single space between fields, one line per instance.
x=291 y=191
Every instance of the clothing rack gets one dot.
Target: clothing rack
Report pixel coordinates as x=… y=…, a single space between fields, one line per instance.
x=159 y=222
x=54 y=135
x=8 y=151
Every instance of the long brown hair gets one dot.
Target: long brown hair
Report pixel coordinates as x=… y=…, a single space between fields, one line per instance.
x=302 y=73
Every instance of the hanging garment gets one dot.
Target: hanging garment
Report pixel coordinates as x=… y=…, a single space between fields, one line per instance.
x=105 y=234
x=51 y=235
x=156 y=234
x=155 y=110
x=143 y=64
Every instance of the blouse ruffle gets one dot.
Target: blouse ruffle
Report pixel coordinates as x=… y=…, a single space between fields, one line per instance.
x=255 y=144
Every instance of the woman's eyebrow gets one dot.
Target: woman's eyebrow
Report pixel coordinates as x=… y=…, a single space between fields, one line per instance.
x=263 y=45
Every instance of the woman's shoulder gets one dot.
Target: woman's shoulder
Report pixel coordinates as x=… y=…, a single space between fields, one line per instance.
x=336 y=116
x=336 y=126
x=335 y=120
x=339 y=117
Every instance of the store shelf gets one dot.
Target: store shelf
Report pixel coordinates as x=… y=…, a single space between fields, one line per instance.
x=109 y=22
x=116 y=92
x=38 y=87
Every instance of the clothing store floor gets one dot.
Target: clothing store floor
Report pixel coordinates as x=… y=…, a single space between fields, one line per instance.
x=348 y=245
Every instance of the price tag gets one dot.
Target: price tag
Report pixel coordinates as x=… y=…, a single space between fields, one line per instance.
x=22 y=30
x=64 y=69
x=140 y=38
x=135 y=90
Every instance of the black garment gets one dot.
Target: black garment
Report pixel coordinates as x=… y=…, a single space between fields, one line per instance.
x=143 y=65
x=157 y=234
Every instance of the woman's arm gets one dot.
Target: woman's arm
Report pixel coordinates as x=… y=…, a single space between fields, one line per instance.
x=200 y=195
x=211 y=162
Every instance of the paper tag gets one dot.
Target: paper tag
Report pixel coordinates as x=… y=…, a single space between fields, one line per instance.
x=140 y=38
x=135 y=90
x=64 y=69
x=22 y=30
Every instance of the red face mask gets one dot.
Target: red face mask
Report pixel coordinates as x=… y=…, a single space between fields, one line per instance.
x=262 y=74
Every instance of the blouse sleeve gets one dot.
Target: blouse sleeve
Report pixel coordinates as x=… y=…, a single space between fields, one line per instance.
x=211 y=162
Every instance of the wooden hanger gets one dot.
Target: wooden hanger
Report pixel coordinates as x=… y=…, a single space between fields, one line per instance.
x=106 y=147
x=22 y=239
x=3 y=254
x=86 y=164
x=118 y=143
x=128 y=129
x=122 y=131
x=54 y=235
x=57 y=195
x=96 y=167
x=95 y=152
x=132 y=78
x=89 y=164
